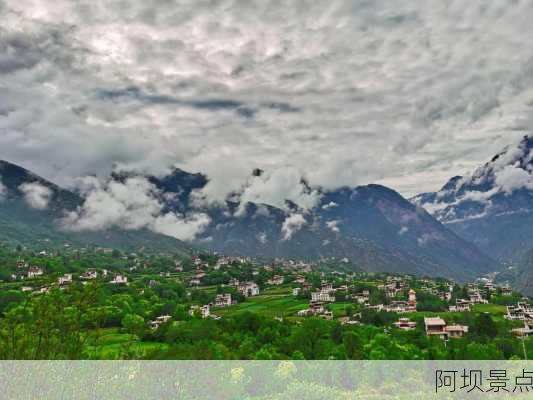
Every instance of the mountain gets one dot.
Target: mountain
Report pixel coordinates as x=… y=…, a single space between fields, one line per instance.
x=523 y=277
x=492 y=207
x=371 y=226
x=31 y=206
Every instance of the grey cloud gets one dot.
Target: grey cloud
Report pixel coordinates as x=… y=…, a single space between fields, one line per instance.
x=342 y=92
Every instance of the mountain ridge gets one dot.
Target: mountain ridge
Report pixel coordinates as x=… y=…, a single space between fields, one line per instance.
x=493 y=207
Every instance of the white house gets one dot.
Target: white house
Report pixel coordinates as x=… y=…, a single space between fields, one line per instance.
x=248 y=289
x=65 y=279
x=159 y=321
x=89 y=274
x=34 y=272
x=119 y=279
x=223 y=300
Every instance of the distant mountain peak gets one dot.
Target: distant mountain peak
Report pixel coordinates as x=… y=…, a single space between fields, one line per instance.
x=491 y=206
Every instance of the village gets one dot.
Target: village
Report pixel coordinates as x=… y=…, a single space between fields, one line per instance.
x=293 y=290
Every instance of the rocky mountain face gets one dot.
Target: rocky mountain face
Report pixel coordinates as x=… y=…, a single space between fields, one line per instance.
x=492 y=207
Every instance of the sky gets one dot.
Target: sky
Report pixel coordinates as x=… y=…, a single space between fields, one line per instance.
x=403 y=93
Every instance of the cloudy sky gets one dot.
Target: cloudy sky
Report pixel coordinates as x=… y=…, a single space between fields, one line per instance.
x=405 y=93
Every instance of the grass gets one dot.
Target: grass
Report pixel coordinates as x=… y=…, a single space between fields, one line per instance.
x=112 y=343
x=494 y=309
x=287 y=290
x=270 y=305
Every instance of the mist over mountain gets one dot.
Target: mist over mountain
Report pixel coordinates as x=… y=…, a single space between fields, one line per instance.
x=32 y=210
x=371 y=226
x=492 y=207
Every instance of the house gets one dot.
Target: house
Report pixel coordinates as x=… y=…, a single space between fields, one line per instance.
x=326 y=287
x=65 y=279
x=461 y=305
x=223 y=300
x=327 y=315
x=347 y=321
x=203 y=310
x=26 y=288
x=411 y=302
x=248 y=289
x=160 y=321
x=527 y=308
x=276 y=280
x=119 y=279
x=325 y=293
x=322 y=297
x=403 y=306
x=506 y=291
x=476 y=297
x=444 y=296
x=489 y=286
x=315 y=308
x=89 y=274
x=515 y=313
x=527 y=330
x=194 y=282
x=435 y=326
x=199 y=274
x=234 y=282
x=519 y=312
x=196 y=260
x=34 y=272
x=363 y=297
x=456 y=331
x=296 y=291
x=178 y=267
x=405 y=324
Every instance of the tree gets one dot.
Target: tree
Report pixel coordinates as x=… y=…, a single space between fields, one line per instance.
x=484 y=327
x=134 y=324
x=352 y=345
x=309 y=338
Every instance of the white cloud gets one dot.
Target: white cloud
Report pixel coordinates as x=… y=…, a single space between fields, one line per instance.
x=333 y=225
x=511 y=178
x=343 y=92
x=275 y=188
x=329 y=205
x=36 y=195
x=133 y=204
x=292 y=224
x=262 y=237
x=3 y=190
x=403 y=230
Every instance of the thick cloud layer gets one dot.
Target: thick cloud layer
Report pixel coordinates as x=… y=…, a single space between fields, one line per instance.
x=342 y=92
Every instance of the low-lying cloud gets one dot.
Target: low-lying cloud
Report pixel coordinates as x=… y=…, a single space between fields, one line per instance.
x=3 y=190
x=292 y=224
x=37 y=196
x=133 y=204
